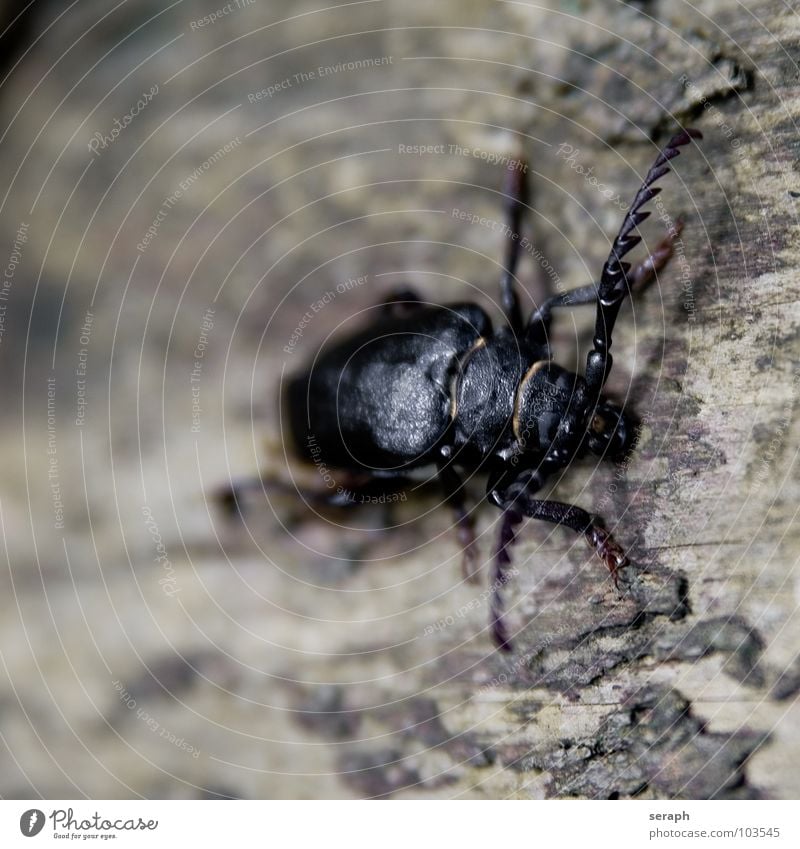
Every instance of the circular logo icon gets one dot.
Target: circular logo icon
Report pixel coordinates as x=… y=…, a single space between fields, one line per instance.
x=31 y=822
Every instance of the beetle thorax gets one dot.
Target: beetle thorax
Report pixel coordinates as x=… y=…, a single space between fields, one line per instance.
x=549 y=409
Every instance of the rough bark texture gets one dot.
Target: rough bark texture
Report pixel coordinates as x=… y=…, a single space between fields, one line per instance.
x=152 y=648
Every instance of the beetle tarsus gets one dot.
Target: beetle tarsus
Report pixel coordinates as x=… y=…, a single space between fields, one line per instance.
x=608 y=550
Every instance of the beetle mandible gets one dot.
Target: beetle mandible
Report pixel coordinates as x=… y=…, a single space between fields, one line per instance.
x=435 y=386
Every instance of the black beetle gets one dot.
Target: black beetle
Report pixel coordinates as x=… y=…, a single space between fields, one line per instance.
x=434 y=386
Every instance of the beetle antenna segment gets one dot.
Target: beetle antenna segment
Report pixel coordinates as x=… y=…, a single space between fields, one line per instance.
x=614 y=282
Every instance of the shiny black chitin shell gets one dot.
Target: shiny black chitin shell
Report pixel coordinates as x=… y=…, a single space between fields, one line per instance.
x=380 y=401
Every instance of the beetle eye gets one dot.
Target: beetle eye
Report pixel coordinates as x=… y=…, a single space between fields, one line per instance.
x=598 y=424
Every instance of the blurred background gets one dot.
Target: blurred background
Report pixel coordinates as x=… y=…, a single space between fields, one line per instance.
x=182 y=183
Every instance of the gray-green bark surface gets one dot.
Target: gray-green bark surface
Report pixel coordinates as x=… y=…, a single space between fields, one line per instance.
x=149 y=646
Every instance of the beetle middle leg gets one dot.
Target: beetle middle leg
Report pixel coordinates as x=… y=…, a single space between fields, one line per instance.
x=465 y=524
x=639 y=276
x=517 y=196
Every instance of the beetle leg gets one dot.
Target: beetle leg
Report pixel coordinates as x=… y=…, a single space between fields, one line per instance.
x=615 y=280
x=500 y=576
x=465 y=526
x=639 y=276
x=581 y=522
x=350 y=493
x=503 y=478
x=538 y=328
x=517 y=196
x=516 y=502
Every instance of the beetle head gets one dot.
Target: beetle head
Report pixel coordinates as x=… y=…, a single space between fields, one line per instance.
x=611 y=433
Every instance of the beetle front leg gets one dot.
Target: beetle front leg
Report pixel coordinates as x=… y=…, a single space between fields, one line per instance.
x=538 y=330
x=615 y=281
x=578 y=520
x=639 y=277
x=517 y=502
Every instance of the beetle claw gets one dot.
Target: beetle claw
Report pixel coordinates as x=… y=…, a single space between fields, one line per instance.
x=609 y=551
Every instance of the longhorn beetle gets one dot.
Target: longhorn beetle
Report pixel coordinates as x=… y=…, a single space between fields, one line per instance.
x=435 y=386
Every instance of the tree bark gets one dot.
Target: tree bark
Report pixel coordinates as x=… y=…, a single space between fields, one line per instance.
x=326 y=656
